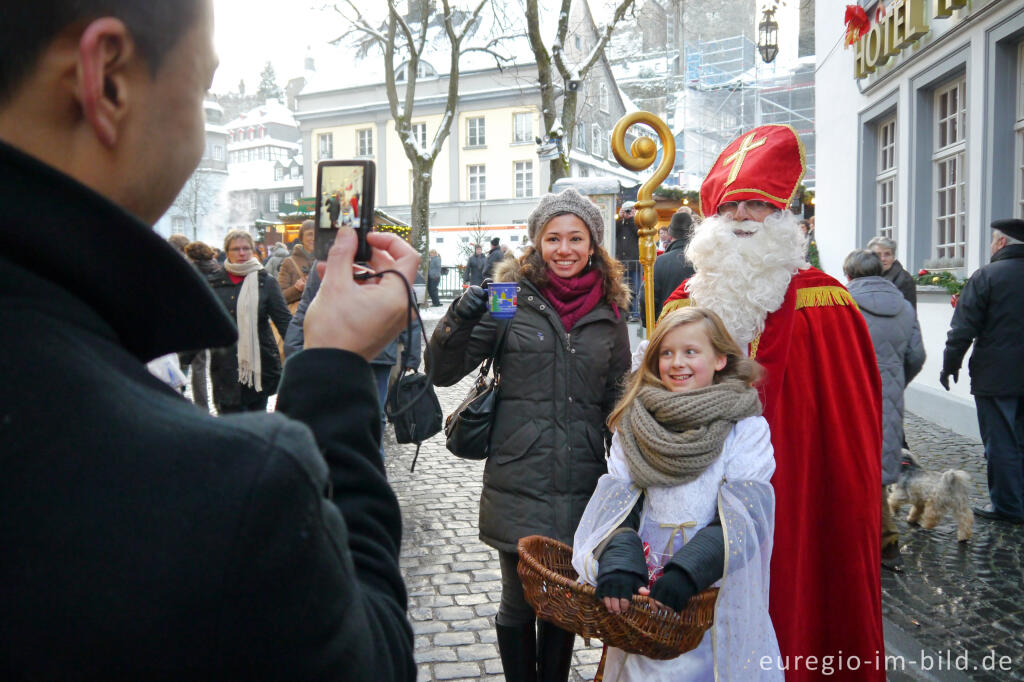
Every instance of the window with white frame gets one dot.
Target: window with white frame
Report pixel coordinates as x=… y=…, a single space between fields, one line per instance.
x=439 y=240
x=419 y=134
x=275 y=201
x=1019 y=134
x=279 y=173
x=364 y=142
x=252 y=201
x=949 y=164
x=325 y=143
x=595 y=134
x=475 y=132
x=524 y=179
x=522 y=126
x=296 y=172
x=581 y=136
x=602 y=97
x=885 y=179
x=477 y=176
x=178 y=225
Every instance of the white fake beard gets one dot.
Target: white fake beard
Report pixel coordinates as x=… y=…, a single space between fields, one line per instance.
x=744 y=278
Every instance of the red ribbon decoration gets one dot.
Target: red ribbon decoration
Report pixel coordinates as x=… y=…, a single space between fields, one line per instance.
x=857 y=23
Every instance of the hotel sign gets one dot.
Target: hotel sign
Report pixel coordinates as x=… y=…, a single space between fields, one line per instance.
x=901 y=25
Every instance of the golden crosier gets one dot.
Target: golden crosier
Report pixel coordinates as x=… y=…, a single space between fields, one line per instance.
x=641 y=156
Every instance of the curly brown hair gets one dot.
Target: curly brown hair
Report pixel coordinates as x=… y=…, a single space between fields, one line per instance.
x=198 y=251
x=533 y=268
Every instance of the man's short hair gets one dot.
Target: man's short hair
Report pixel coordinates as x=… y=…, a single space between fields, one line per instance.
x=156 y=27
x=679 y=226
x=862 y=263
x=882 y=243
x=178 y=241
x=495 y=241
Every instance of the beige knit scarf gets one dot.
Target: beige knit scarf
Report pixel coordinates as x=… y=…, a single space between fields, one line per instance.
x=671 y=438
x=250 y=370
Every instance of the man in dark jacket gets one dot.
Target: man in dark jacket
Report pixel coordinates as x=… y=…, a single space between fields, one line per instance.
x=990 y=314
x=627 y=252
x=494 y=257
x=475 y=266
x=143 y=538
x=893 y=270
x=670 y=268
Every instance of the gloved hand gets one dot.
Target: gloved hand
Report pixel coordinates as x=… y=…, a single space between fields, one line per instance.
x=472 y=304
x=674 y=588
x=944 y=378
x=617 y=587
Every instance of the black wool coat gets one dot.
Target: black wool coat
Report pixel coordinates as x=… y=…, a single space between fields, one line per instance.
x=475 y=266
x=143 y=538
x=224 y=361
x=557 y=389
x=990 y=313
x=898 y=275
x=670 y=270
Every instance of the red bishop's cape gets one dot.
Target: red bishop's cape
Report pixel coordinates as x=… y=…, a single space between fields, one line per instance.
x=822 y=400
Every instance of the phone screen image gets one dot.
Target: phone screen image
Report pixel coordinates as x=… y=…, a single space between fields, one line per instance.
x=344 y=199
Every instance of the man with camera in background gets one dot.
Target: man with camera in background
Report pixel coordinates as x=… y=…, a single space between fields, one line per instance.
x=142 y=537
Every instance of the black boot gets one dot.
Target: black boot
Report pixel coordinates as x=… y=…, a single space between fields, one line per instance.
x=518 y=647
x=554 y=652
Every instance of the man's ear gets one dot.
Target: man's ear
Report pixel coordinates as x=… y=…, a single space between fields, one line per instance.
x=105 y=52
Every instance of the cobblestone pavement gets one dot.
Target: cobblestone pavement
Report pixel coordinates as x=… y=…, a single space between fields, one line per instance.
x=959 y=597
x=953 y=597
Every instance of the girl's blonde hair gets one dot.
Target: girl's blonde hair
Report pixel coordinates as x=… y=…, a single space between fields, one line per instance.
x=737 y=365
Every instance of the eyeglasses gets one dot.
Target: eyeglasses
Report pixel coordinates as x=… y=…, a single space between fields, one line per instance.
x=239 y=249
x=752 y=206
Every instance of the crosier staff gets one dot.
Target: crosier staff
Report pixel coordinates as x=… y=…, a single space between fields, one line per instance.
x=639 y=157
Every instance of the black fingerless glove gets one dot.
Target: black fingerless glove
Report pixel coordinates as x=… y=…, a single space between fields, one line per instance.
x=619 y=584
x=472 y=304
x=674 y=588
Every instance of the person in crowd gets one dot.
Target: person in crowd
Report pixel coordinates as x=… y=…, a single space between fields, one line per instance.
x=278 y=253
x=670 y=268
x=663 y=239
x=246 y=373
x=748 y=254
x=627 y=252
x=990 y=314
x=892 y=269
x=333 y=203
x=143 y=537
x=221 y=256
x=688 y=435
x=204 y=260
x=179 y=242
x=381 y=364
x=566 y=350
x=494 y=256
x=292 y=276
x=434 y=276
x=473 y=275
x=899 y=351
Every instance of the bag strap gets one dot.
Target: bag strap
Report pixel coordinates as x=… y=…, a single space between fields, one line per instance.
x=499 y=348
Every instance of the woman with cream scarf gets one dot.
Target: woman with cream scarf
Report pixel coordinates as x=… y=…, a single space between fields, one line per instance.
x=246 y=374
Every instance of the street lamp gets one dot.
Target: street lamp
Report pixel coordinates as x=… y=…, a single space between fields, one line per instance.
x=768 y=36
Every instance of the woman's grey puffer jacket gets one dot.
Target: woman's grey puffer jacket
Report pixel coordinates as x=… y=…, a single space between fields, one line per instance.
x=900 y=354
x=557 y=388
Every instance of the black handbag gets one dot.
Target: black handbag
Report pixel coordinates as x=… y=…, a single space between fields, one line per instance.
x=413 y=409
x=468 y=428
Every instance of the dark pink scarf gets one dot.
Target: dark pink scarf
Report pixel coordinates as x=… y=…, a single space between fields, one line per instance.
x=574 y=297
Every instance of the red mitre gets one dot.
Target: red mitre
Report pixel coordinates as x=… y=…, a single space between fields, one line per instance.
x=766 y=163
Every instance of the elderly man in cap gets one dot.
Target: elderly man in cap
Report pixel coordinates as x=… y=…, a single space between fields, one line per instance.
x=804 y=328
x=990 y=313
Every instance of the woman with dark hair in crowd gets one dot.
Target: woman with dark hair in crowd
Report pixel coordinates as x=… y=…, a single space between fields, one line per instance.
x=564 y=353
x=204 y=259
x=246 y=374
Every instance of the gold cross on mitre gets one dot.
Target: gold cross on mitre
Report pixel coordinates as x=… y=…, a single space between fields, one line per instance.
x=737 y=157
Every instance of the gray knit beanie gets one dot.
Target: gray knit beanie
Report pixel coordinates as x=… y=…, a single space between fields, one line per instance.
x=568 y=201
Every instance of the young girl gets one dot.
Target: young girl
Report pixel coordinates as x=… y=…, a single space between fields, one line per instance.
x=687 y=501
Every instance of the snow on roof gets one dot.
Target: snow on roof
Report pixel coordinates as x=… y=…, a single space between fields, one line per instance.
x=211 y=104
x=263 y=142
x=271 y=111
x=257 y=175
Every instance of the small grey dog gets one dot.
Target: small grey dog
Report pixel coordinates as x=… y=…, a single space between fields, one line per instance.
x=931 y=494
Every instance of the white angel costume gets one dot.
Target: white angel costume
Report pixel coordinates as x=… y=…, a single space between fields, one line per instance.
x=736 y=485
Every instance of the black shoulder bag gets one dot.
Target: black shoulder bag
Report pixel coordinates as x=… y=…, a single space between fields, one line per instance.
x=468 y=428
x=420 y=416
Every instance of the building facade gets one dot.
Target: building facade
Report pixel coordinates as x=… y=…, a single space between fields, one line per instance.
x=922 y=141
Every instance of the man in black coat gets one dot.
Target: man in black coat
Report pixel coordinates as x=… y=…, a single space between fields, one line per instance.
x=143 y=538
x=494 y=256
x=670 y=268
x=991 y=314
x=475 y=266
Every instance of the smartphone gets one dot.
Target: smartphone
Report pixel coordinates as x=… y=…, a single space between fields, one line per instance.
x=344 y=198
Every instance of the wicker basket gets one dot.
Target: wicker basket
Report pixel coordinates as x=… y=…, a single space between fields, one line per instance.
x=551 y=587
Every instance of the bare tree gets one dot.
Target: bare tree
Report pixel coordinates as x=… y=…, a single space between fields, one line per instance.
x=552 y=64
x=196 y=199
x=404 y=40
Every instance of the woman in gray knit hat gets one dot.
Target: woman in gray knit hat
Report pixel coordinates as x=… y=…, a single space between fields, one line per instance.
x=565 y=352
